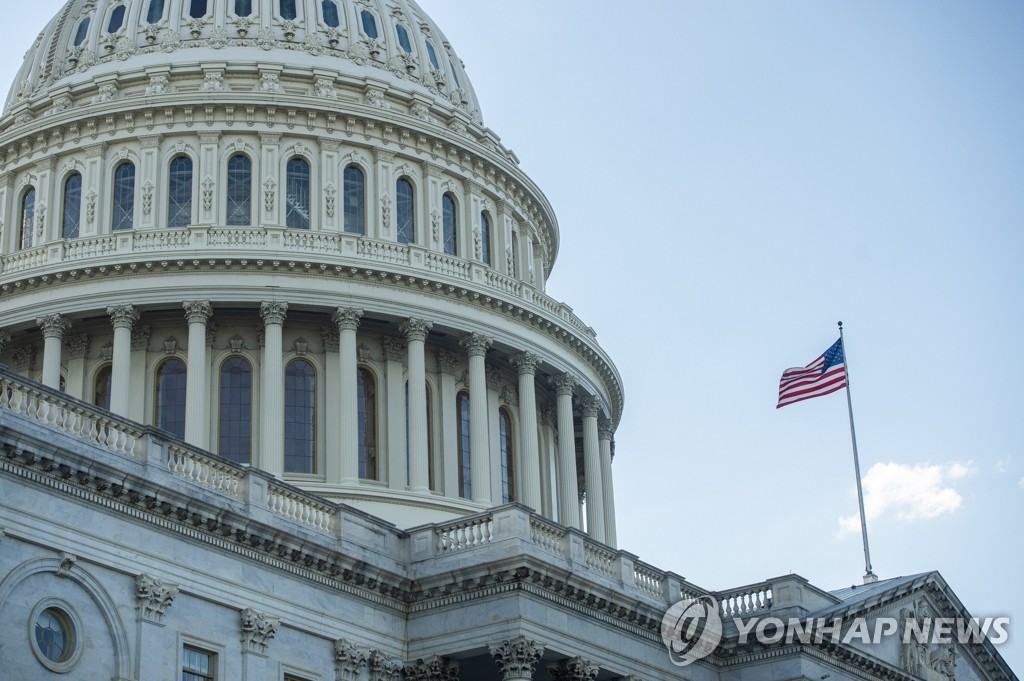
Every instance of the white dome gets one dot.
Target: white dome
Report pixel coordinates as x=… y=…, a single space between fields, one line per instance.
x=390 y=42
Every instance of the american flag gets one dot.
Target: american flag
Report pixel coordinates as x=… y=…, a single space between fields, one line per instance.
x=824 y=375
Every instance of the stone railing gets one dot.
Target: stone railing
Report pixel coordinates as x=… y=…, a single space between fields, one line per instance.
x=648 y=579
x=600 y=559
x=300 y=507
x=549 y=536
x=466 y=533
x=206 y=470
x=73 y=417
x=746 y=600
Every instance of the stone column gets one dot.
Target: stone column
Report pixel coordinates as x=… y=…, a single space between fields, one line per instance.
x=516 y=658
x=476 y=345
x=272 y=395
x=397 y=434
x=197 y=413
x=449 y=456
x=54 y=327
x=573 y=669
x=416 y=331
x=122 y=317
x=347 y=320
x=529 y=477
x=590 y=406
x=604 y=436
x=568 y=495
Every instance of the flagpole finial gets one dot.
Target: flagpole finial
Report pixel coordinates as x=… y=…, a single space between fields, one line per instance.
x=840 y=325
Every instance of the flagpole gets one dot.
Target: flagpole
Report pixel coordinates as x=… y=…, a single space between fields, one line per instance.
x=869 y=575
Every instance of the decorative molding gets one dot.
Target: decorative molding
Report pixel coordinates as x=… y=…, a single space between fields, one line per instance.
x=348 y=660
x=273 y=312
x=394 y=348
x=24 y=358
x=526 y=363
x=77 y=346
x=573 y=669
x=605 y=429
x=347 y=318
x=565 y=384
x=415 y=329
x=476 y=344
x=384 y=668
x=5 y=338
x=516 y=657
x=123 y=316
x=170 y=345
x=301 y=346
x=140 y=336
x=493 y=377
x=67 y=562
x=433 y=668
x=258 y=628
x=54 y=326
x=107 y=351
x=331 y=338
x=154 y=596
x=197 y=311
x=590 y=406
x=447 y=362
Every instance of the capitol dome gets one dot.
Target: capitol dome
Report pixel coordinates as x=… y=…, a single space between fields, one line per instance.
x=278 y=231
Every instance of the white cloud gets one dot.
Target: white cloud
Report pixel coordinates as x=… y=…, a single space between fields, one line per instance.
x=1021 y=483
x=908 y=491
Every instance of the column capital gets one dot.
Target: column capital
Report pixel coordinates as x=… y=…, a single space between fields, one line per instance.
x=526 y=363
x=605 y=429
x=54 y=326
x=516 y=657
x=573 y=669
x=153 y=596
x=384 y=668
x=123 y=316
x=590 y=406
x=415 y=329
x=347 y=318
x=197 y=311
x=565 y=384
x=394 y=348
x=432 y=668
x=476 y=344
x=273 y=312
x=348 y=659
x=257 y=630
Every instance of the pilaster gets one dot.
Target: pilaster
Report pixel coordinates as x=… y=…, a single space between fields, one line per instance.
x=397 y=446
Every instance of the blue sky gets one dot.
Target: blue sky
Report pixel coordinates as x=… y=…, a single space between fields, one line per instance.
x=732 y=178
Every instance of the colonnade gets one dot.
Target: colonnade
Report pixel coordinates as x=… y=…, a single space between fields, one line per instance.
x=342 y=464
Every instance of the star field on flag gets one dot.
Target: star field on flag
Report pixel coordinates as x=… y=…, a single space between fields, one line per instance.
x=824 y=375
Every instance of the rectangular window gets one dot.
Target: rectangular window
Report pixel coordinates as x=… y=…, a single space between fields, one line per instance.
x=196 y=664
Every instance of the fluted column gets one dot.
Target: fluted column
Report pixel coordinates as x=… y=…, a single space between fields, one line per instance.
x=604 y=436
x=476 y=345
x=590 y=407
x=568 y=496
x=516 y=658
x=416 y=331
x=347 y=320
x=197 y=413
x=54 y=327
x=272 y=395
x=526 y=363
x=122 y=317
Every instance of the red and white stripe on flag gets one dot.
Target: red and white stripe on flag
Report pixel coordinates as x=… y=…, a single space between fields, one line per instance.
x=824 y=375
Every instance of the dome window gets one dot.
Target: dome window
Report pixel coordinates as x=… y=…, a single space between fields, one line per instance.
x=243 y=8
x=297 y=194
x=116 y=19
x=508 y=474
x=462 y=445
x=197 y=9
x=83 y=31
x=28 y=218
x=235 y=425
x=299 y=417
x=171 y=380
x=404 y=209
x=101 y=387
x=156 y=11
x=432 y=56
x=367 y=419
x=369 y=24
x=449 y=234
x=355 y=201
x=330 y=10
x=485 y=238
x=287 y=8
x=239 y=195
x=72 y=214
x=403 y=38
x=455 y=73
x=124 y=196
x=179 y=192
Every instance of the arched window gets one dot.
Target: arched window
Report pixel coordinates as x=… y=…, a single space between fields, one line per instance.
x=197 y=9
x=485 y=238
x=124 y=196
x=355 y=201
x=179 y=192
x=83 y=31
x=101 y=388
x=506 y=445
x=297 y=194
x=288 y=9
x=405 y=211
x=462 y=446
x=235 y=430
x=455 y=74
x=299 y=417
x=156 y=11
x=243 y=8
x=432 y=56
x=170 y=397
x=369 y=24
x=71 y=217
x=116 y=19
x=513 y=269
x=239 y=191
x=449 y=236
x=330 y=10
x=403 y=38
x=28 y=218
x=366 y=394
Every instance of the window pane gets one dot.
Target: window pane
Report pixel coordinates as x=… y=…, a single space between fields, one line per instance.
x=170 y=397
x=355 y=201
x=239 y=191
x=462 y=433
x=369 y=24
x=404 y=212
x=330 y=13
x=124 y=196
x=243 y=8
x=297 y=194
x=83 y=31
x=366 y=394
x=72 y=214
x=299 y=417
x=235 y=432
x=287 y=9
x=116 y=19
x=403 y=38
x=507 y=456
x=198 y=9
x=101 y=393
x=455 y=75
x=448 y=223
x=28 y=218
x=432 y=55
x=179 y=192
x=196 y=665
x=156 y=11
x=485 y=238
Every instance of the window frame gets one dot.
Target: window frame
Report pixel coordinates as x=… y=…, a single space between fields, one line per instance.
x=108 y=368
x=346 y=191
x=180 y=180
x=150 y=19
x=463 y=451
x=190 y=7
x=507 y=454
x=400 y=31
x=364 y=400
x=365 y=14
x=121 y=11
x=449 y=224
x=323 y=14
x=288 y=210
x=65 y=214
x=313 y=426
x=129 y=213
x=248 y=400
x=228 y=201
x=183 y=390
x=486 y=235
x=82 y=31
x=411 y=237
x=215 y=650
x=27 y=218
